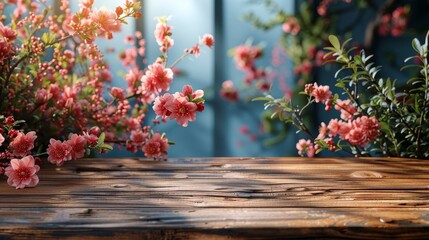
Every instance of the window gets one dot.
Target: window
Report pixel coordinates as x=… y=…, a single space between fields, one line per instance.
x=217 y=130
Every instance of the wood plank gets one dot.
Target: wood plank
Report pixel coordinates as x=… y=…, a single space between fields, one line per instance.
x=222 y=198
x=201 y=217
x=237 y=223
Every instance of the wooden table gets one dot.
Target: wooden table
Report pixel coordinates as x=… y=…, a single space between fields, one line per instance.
x=222 y=198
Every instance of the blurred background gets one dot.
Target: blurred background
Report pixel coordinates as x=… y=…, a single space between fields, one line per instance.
x=291 y=34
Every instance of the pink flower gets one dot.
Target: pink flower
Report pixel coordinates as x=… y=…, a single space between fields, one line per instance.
x=363 y=130
x=321 y=93
x=291 y=26
x=107 y=21
x=23 y=143
x=133 y=123
x=138 y=137
x=58 y=152
x=245 y=56
x=180 y=106
x=195 y=50
x=370 y=125
x=305 y=147
x=22 y=172
x=334 y=127
x=86 y=3
x=42 y=95
x=357 y=136
x=6 y=32
x=7 y=50
x=228 y=91
x=129 y=57
x=346 y=108
x=77 y=144
x=162 y=34
x=132 y=77
x=395 y=23
x=182 y=110
x=156 y=146
x=91 y=139
x=323 y=130
x=159 y=105
x=129 y=146
x=95 y=130
x=118 y=93
x=208 y=40
x=1 y=139
x=157 y=78
x=9 y=121
x=187 y=91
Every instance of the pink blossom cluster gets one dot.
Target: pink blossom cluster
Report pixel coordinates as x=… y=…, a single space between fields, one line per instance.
x=7 y=38
x=72 y=149
x=291 y=26
x=207 y=40
x=228 y=91
x=180 y=106
x=153 y=145
x=305 y=147
x=136 y=49
x=163 y=34
x=89 y=23
x=395 y=23
x=322 y=9
x=61 y=88
x=245 y=57
x=356 y=130
x=17 y=161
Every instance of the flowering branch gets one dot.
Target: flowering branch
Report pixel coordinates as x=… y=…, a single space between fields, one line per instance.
x=68 y=88
x=381 y=121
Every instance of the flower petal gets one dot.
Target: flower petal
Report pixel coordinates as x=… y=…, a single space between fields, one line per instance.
x=15 y=163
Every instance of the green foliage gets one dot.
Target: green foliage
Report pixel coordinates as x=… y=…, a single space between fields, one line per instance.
x=402 y=114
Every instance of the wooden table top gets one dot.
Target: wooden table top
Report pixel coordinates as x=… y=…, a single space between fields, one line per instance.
x=222 y=198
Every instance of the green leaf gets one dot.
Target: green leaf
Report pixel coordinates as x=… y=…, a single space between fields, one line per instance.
x=417 y=106
x=198 y=100
x=48 y=38
x=106 y=147
x=101 y=139
x=417 y=46
x=335 y=42
x=330 y=49
x=260 y=99
x=18 y=122
x=340 y=84
x=410 y=58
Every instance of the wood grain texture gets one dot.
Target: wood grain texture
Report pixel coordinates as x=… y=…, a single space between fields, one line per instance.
x=222 y=198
